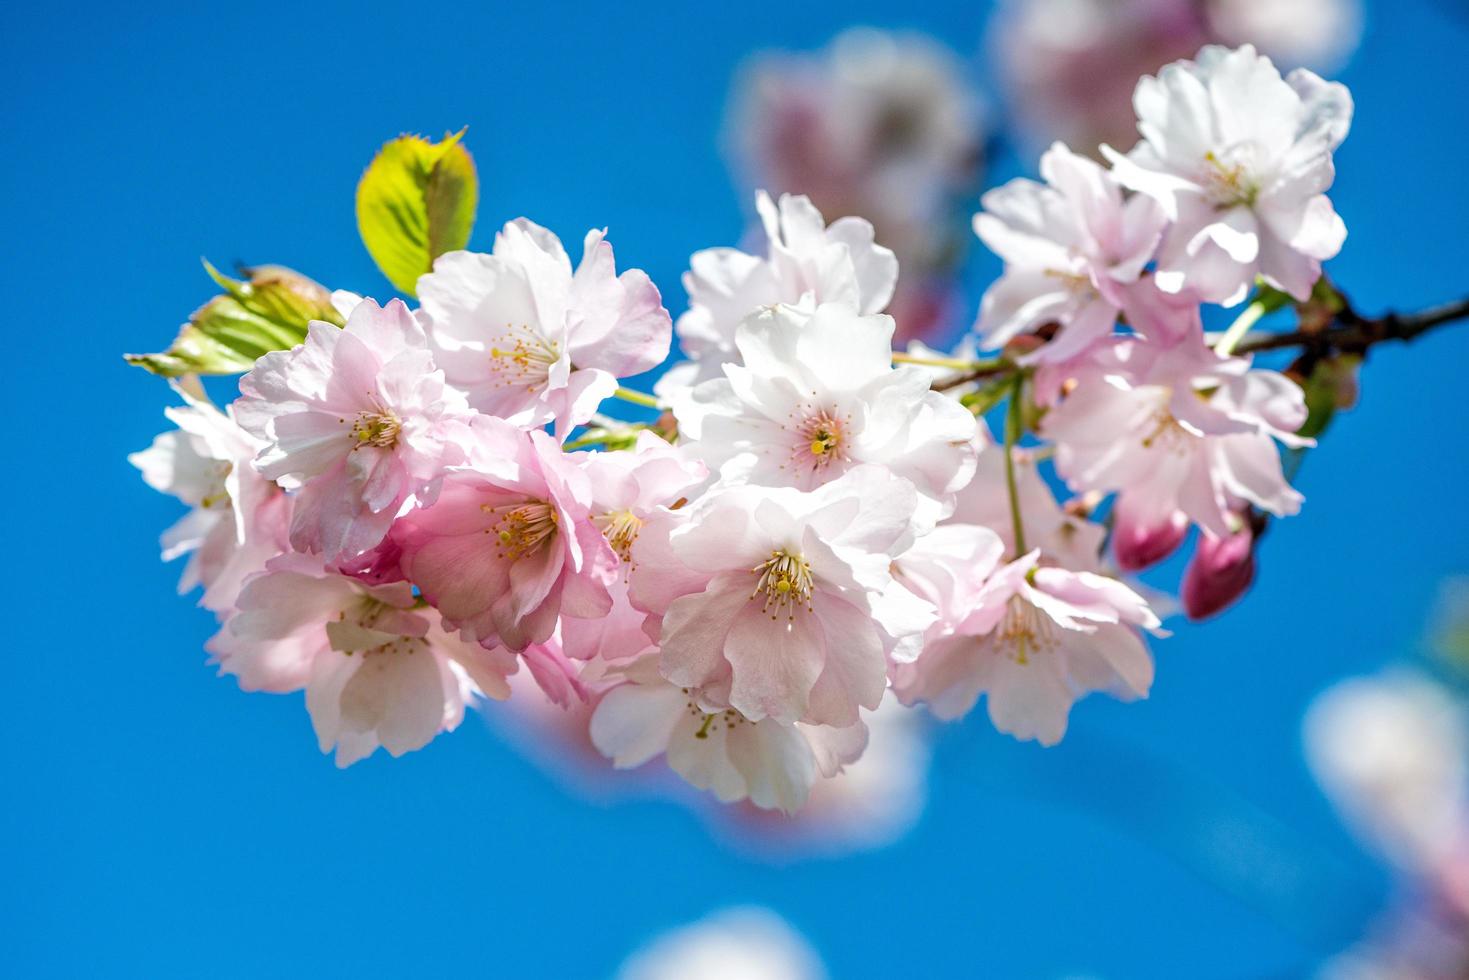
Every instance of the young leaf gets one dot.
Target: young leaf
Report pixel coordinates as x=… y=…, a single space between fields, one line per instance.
x=226 y=335
x=416 y=201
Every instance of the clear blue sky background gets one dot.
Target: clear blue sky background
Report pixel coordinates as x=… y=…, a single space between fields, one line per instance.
x=157 y=822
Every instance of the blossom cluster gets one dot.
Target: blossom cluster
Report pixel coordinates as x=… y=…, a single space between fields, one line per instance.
x=400 y=513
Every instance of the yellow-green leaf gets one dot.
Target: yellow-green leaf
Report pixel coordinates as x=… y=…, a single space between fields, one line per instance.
x=226 y=335
x=416 y=201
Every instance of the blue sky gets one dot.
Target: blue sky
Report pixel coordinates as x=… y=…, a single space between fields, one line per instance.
x=160 y=823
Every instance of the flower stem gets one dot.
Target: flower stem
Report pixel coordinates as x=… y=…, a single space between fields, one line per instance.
x=1240 y=327
x=1013 y=427
x=953 y=363
x=636 y=397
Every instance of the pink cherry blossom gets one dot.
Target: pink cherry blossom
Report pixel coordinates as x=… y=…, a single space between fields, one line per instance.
x=1240 y=159
x=531 y=340
x=375 y=672
x=629 y=487
x=510 y=543
x=780 y=603
x=1179 y=429
x=774 y=764
x=1071 y=248
x=357 y=419
x=238 y=518
x=818 y=395
x=1035 y=641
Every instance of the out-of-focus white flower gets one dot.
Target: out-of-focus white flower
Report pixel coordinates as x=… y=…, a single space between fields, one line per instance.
x=1315 y=34
x=733 y=944
x=1392 y=752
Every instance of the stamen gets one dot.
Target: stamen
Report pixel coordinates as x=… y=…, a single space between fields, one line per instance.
x=377 y=429
x=522 y=529
x=1024 y=631
x=522 y=358
x=820 y=438
x=1229 y=184
x=620 y=528
x=1167 y=431
x=786 y=581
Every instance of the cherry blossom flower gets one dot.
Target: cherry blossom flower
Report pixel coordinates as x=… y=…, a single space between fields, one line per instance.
x=628 y=489
x=780 y=604
x=238 y=518
x=1071 y=247
x=1240 y=160
x=356 y=418
x=806 y=263
x=818 y=395
x=375 y=673
x=531 y=340
x=1179 y=429
x=510 y=543
x=1035 y=640
x=773 y=764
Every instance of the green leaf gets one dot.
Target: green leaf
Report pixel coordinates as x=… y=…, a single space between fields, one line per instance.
x=1331 y=386
x=227 y=334
x=416 y=201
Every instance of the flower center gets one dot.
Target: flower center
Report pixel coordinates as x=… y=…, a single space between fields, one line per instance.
x=377 y=429
x=820 y=440
x=729 y=718
x=1024 y=631
x=785 y=579
x=522 y=529
x=620 y=528
x=1228 y=182
x=1074 y=282
x=1167 y=433
x=522 y=358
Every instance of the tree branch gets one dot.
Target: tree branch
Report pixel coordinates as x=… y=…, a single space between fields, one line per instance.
x=1352 y=333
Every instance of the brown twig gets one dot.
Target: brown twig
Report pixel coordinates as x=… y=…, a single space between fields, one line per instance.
x=978 y=374
x=1351 y=333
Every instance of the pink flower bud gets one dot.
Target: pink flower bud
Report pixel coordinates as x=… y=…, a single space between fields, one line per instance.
x=1220 y=571
x=1138 y=545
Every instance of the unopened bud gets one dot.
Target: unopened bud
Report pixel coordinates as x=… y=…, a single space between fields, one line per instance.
x=1138 y=545
x=1220 y=571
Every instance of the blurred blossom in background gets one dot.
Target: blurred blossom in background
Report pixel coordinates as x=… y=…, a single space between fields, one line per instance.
x=1391 y=751
x=734 y=944
x=885 y=125
x=1068 y=67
